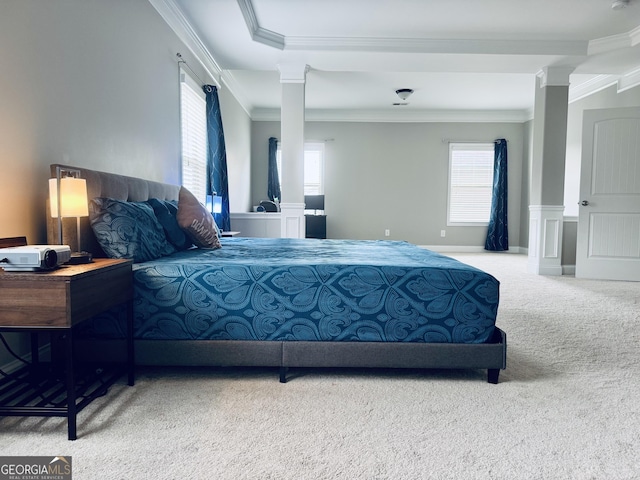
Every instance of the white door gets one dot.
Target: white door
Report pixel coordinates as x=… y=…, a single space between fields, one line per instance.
x=609 y=219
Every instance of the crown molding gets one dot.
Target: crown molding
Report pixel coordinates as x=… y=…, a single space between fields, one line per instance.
x=629 y=80
x=600 y=82
x=293 y=72
x=386 y=116
x=176 y=20
x=413 y=45
x=555 y=76
x=614 y=42
x=259 y=34
x=635 y=36
x=594 y=85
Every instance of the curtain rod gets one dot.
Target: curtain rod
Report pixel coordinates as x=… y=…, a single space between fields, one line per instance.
x=448 y=140
x=183 y=61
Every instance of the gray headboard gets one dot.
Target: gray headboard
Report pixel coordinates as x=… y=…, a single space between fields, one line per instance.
x=102 y=184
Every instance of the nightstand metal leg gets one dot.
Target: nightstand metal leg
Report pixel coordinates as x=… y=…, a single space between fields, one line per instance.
x=130 y=345
x=71 y=385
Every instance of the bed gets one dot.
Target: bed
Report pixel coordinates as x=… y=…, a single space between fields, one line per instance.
x=296 y=302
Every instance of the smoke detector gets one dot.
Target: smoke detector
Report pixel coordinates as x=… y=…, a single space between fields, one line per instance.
x=404 y=93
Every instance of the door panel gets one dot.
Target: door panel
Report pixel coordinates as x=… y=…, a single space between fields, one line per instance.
x=609 y=219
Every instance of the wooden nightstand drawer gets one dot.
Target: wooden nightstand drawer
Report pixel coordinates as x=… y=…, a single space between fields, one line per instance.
x=65 y=296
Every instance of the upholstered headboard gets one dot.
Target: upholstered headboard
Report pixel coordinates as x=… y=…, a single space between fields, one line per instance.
x=102 y=184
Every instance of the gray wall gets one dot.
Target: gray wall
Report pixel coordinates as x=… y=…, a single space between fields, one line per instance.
x=93 y=83
x=525 y=187
x=394 y=176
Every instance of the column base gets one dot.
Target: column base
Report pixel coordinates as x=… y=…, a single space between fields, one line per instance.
x=545 y=239
x=292 y=218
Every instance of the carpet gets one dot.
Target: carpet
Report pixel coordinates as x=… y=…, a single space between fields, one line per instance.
x=566 y=407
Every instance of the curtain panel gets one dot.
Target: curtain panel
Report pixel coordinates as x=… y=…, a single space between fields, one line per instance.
x=273 y=189
x=498 y=234
x=217 y=177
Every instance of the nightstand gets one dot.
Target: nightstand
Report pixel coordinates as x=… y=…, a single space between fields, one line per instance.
x=56 y=302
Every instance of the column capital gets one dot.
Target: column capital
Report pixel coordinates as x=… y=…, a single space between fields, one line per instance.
x=293 y=72
x=555 y=76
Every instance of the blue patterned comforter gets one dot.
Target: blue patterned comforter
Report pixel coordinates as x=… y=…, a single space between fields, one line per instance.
x=305 y=289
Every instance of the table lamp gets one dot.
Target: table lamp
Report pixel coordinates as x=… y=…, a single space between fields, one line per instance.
x=68 y=198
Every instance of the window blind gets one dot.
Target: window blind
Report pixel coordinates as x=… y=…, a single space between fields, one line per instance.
x=470 y=183
x=194 y=137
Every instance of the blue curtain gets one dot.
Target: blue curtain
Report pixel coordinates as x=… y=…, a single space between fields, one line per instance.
x=217 y=179
x=273 y=190
x=498 y=234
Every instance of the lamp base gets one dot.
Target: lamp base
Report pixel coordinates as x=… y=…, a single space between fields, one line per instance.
x=79 y=258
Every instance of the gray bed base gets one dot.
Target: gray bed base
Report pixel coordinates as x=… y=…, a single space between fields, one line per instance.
x=283 y=354
x=491 y=356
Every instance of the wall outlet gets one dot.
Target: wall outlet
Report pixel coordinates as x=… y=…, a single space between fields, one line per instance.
x=443 y=233
x=387 y=232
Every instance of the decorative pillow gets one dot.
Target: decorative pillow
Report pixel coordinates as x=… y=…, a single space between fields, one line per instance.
x=128 y=230
x=166 y=213
x=194 y=219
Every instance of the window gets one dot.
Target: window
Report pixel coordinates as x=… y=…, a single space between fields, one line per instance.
x=313 y=168
x=193 y=123
x=470 y=183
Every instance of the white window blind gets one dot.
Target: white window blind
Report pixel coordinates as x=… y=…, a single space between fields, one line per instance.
x=313 y=168
x=470 y=183
x=193 y=120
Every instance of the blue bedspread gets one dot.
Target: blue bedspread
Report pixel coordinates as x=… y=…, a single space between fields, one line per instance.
x=305 y=289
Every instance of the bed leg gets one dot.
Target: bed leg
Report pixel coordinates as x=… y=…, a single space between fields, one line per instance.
x=492 y=375
x=283 y=374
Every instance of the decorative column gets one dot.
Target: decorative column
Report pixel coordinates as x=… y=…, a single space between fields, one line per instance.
x=546 y=207
x=292 y=78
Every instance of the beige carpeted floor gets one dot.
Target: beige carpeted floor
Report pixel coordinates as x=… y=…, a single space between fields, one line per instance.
x=567 y=407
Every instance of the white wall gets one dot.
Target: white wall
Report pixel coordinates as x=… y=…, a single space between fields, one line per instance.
x=394 y=176
x=94 y=83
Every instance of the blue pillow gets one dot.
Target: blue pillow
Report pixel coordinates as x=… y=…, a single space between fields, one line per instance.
x=166 y=212
x=128 y=230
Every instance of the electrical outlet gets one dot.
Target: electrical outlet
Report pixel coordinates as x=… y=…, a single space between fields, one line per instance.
x=387 y=232
x=443 y=233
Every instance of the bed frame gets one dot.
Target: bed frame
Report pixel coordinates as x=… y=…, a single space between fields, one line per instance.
x=491 y=356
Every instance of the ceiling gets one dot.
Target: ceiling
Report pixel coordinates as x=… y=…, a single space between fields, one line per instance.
x=466 y=60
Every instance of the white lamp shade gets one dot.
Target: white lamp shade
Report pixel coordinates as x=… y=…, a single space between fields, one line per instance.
x=73 y=198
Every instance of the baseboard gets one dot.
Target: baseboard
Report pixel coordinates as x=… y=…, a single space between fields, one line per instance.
x=568 y=269
x=469 y=249
x=44 y=352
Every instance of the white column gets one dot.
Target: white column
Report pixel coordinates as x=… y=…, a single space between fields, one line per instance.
x=292 y=79
x=547 y=173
